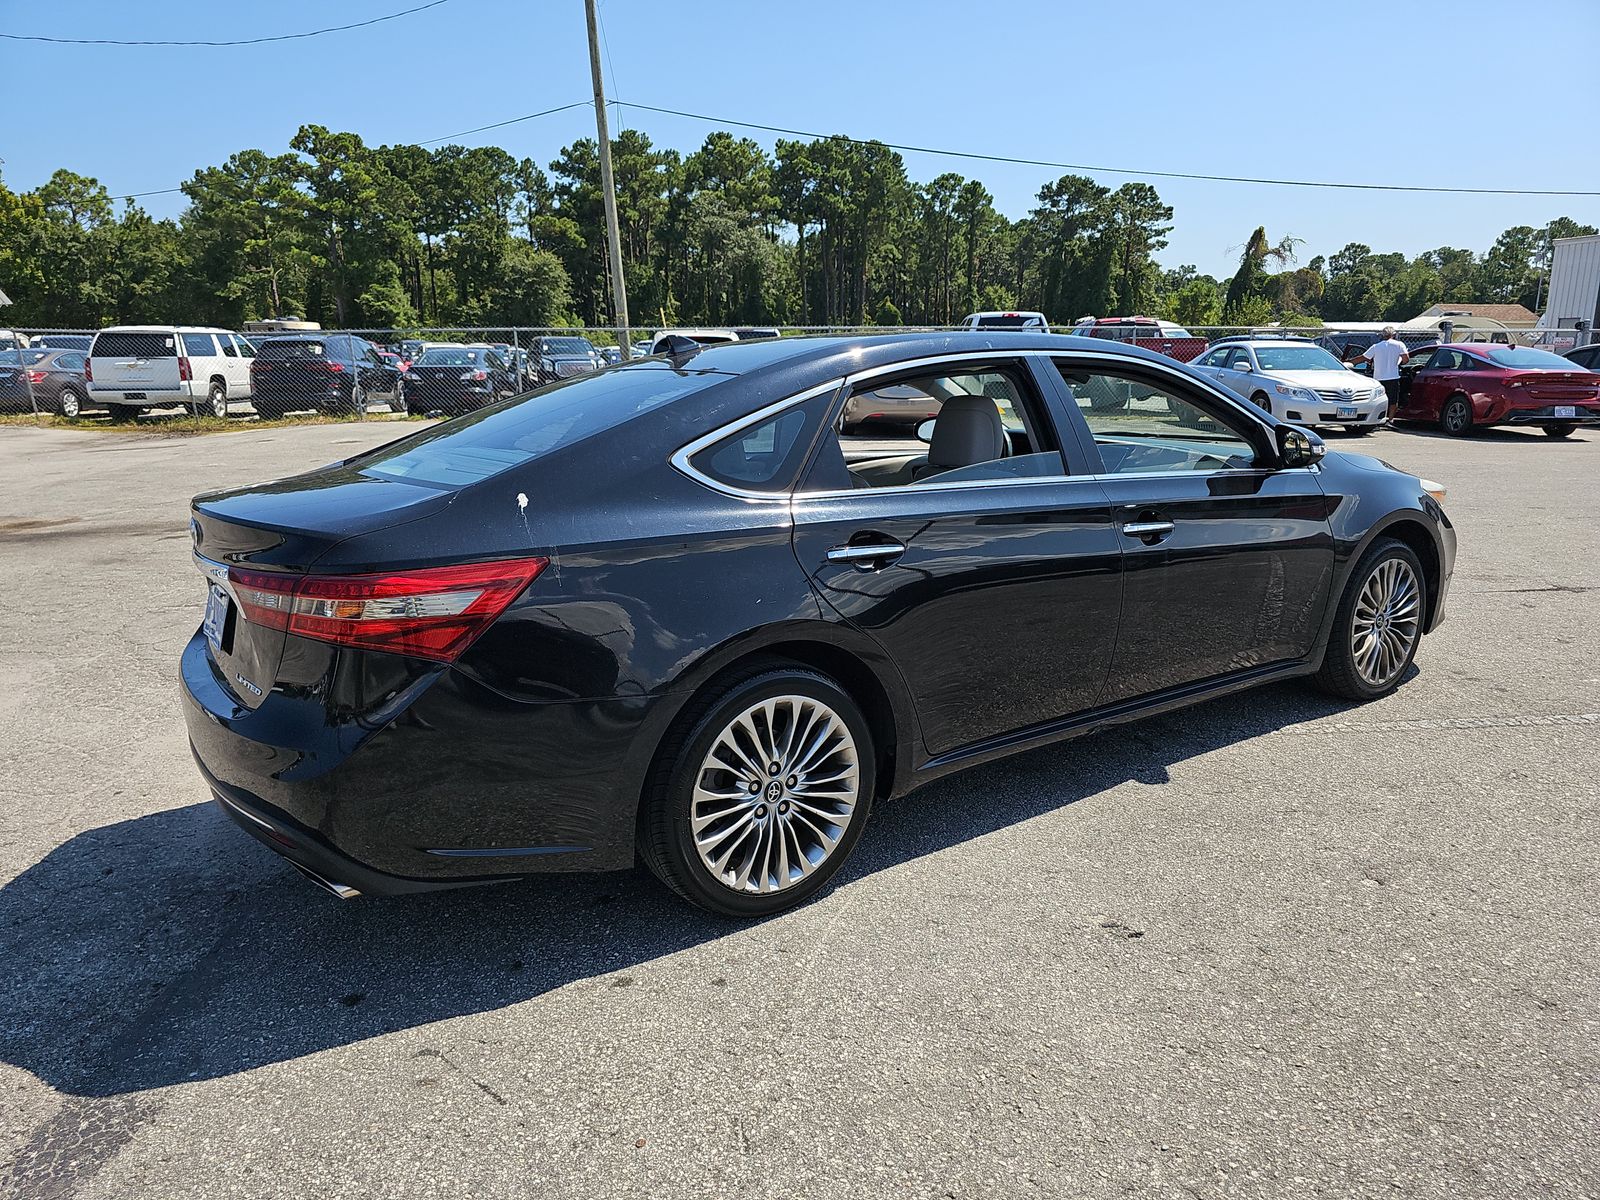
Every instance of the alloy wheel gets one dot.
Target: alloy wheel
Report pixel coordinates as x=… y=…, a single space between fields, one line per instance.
x=1386 y=621
x=1456 y=416
x=219 y=402
x=774 y=794
x=71 y=405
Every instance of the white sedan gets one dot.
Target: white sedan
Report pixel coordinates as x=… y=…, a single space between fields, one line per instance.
x=1296 y=380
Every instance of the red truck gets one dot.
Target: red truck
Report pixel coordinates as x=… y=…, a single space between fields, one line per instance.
x=1161 y=336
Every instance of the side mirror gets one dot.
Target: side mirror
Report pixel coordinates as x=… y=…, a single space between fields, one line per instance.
x=1299 y=447
x=925 y=431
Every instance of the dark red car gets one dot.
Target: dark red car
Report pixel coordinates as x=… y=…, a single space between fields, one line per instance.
x=1146 y=332
x=1462 y=387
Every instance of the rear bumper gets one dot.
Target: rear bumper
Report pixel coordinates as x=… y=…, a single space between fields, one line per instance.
x=442 y=783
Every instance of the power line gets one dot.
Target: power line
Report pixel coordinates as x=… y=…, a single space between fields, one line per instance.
x=1038 y=162
x=280 y=37
x=430 y=142
x=501 y=124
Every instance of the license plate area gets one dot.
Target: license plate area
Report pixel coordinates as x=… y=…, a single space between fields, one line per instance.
x=1347 y=412
x=134 y=396
x=1566 y=410
x=219 y=608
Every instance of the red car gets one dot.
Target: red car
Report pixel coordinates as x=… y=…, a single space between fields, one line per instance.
x=1161 y=336
x=1465 y=386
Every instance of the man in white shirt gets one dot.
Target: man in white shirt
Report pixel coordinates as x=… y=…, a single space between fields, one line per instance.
x=1387 y=357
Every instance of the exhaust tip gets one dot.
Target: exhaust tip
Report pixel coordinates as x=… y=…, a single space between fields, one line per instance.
x=340 y=891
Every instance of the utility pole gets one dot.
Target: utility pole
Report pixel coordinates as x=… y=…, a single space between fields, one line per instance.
x=608 y=185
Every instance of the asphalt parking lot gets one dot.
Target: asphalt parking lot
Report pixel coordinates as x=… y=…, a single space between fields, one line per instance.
x=1272 y=946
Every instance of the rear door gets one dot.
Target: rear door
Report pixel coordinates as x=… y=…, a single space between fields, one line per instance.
x=995 y=587
x=1228 y=562
x=137 y=365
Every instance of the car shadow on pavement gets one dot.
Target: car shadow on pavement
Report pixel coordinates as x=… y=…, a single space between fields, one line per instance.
x=171 y=947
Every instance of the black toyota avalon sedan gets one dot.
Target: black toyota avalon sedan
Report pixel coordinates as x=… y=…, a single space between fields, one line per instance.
x=670 y=610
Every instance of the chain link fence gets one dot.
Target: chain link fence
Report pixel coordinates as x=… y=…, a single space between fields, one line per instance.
x=46 y=370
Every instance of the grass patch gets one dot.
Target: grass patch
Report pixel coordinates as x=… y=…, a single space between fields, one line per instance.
x=182 y=424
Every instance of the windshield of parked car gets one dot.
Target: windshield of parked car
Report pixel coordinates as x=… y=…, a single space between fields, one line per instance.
x=1007 y=321
x=565 y=345
x=1526 y=358
x=1296 y=358
x=446 y=356
x=517 y=431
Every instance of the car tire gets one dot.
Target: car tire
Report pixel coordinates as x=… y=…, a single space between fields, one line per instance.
x=1559 y=431
x=268 y=410
x=715 y=748
x=357 y=404
x=70 y=403
x=1262 y=401
x=1455 y=418
x=217 y=401
x=121 y=414
x=1377 y=626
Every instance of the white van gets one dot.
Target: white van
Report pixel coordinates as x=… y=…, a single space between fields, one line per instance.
x=1033 y=322
x=662 y=342
x=134 y=367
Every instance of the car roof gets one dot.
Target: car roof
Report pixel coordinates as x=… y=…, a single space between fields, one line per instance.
x=164 y=329
x=844 y=355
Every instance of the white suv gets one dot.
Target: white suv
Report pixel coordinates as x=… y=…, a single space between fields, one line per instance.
x=134 y=367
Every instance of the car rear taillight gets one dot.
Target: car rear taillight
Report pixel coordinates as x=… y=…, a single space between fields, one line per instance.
x=35 y=376
x=333 y=367
x=475 y=375
x=435 y=612
x=88 y=370
x=185 y=371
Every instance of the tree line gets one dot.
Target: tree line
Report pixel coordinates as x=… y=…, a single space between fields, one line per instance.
x=829 y=231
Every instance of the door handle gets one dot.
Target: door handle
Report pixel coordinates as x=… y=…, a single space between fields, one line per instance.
x=866 y=553
x=1150 y=531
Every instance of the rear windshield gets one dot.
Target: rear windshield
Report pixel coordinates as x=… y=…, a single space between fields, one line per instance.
x=1525 y=357
x=473 y=448
x=134 y=345
x=1007 y=321
x=465 y=357
x=13 y=358
x=291 y=348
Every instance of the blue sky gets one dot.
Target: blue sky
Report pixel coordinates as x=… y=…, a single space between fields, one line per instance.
x=1360 y=91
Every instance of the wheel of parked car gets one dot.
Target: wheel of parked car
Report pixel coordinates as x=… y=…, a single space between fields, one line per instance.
x=121 y=414
x=762 y=794
x=1260 y=401
x=216 y=403
x=268 y=410
x=1455 y=418
x=1105 y=395
x=358 y=400
x=71 y=402
x=1559 y=431
x=1377 y=625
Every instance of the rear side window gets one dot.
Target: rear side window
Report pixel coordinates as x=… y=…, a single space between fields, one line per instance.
x=200 y=345
x=71 y=361
x=765 y=457
x=134 y=345
x=226 y=343
x=506 y=435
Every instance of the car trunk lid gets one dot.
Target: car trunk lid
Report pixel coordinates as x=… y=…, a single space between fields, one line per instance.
x=246 y=538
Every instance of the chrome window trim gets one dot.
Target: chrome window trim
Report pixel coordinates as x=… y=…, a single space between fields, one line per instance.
x=680 y=457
